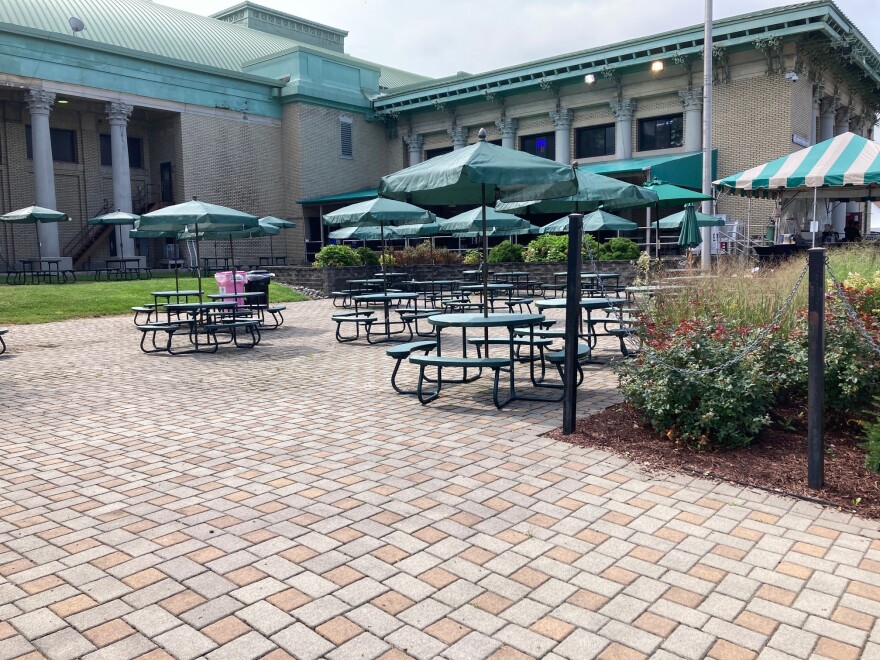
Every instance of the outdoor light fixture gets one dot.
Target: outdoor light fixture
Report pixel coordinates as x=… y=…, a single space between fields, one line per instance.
x=62 y=101
x=589 y=78
x=656 y=66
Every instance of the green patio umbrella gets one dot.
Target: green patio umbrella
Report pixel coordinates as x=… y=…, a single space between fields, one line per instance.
x=116 y=218
x=33 y=215
x=381 y=213
x=425 y=230
x=364 y=233
x=596 y=221
x=477 y=174
x=281 y=223
x=195 y=217
x=671 y=195
x=675 y=220
x=690 y=232
x=594 y=190
x=473 y=221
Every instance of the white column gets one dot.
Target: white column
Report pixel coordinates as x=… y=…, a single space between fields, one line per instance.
x=827 y=108
x=623 y=110
x=40 y=105
x=562 y=118
x=692 y=100
x=508 y=128
x=414 y=145
x=841 y=125
x=117 y=116
x=459 y=135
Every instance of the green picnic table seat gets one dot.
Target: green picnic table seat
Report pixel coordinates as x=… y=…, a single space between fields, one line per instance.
x=402 y=351
x=3 y=331
x=440 y=361
x=366 y=319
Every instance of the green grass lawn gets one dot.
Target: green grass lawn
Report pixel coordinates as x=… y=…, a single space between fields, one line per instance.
x=43 y=303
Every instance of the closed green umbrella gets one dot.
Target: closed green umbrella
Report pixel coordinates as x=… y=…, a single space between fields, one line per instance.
x=671 y=195
x=195 y=217
x=381 y=213
x=594 y=190
x=33 y=215
x=690 y=232
x=477 y=174
x=116 y=218
x=596 y=221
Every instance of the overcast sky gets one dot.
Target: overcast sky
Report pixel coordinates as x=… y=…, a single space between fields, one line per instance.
x=441 y=38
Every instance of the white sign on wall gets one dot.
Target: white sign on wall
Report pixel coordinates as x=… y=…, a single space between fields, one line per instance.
x=800 y=140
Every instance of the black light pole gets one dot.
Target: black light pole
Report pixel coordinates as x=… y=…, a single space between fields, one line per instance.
x=572 y=318
x=816 y=370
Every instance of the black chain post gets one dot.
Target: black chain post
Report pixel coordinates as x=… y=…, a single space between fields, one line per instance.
x=572 y=321
x=816 y=371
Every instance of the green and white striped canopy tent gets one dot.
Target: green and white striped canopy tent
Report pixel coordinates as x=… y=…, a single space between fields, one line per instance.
x=844 y=167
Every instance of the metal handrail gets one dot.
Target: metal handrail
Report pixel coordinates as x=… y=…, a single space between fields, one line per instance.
x=86 y=233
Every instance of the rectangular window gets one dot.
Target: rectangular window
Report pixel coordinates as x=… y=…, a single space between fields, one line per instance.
x=543 y=145
x=346 y=147
x=594 y=141
x=660 y=132
x=439 y=151
x=63 y=144
x=135 y=152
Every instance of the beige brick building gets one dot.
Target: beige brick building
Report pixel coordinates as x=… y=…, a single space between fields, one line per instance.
x=264 y=112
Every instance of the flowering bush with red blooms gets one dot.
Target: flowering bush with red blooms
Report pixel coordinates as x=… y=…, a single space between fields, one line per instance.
x=723 y=409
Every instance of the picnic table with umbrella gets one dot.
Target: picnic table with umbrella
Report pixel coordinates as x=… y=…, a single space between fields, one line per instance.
x=669 y=195
x=120 y=218
x=281 y=223
x=34 y=267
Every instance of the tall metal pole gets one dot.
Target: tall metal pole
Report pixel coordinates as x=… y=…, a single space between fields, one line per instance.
x=706 y=254
x=572 y=321
x=816 y=370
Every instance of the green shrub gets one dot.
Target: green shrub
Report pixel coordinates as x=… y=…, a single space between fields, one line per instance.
x=618 y=248
x=872 y=442
x=423 y=253
x=386 y=258
x=506 y=252
x=547 y=247
x=473 y=258
x=724 y=409
x=367 y=256
x=336 y=255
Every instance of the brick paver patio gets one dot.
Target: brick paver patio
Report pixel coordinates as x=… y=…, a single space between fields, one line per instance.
x=285 y=502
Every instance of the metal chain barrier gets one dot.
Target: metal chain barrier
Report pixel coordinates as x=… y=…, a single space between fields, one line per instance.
x=850 y=310
x=749 y=347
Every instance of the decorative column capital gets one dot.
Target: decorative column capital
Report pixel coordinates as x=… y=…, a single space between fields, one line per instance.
x=829 y=105
x=507 y=126
x=623 y=109
x=691 y=99
x=39 y=101
x=818 y=90
x=562 y=118
x=843 y=116
x=414 y=141
x=118 y=112
x=459 y=134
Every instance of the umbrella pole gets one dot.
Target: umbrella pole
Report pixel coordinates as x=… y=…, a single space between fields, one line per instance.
x=657 y=232
x=384 y=282
x=177 y=268
x=198 y=268
x=271 y=251
x=485 y=258
x=39 y=247
x=814 y=216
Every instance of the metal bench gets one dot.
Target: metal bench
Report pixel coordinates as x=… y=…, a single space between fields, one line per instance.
x=440 y=361
x=403 y=351
x=359 y=319
x=3 y=331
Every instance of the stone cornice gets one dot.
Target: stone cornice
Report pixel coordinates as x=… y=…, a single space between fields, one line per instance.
x=507 y=126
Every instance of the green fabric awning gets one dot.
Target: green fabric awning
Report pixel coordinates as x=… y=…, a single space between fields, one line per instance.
x=341 y=198
x=681 y=169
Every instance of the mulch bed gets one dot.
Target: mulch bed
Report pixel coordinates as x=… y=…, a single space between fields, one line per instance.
x=775 y=461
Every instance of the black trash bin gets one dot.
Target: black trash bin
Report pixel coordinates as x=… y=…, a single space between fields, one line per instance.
x=258 y=282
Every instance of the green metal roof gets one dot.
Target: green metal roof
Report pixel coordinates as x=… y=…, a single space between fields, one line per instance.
x=354 y=195
x=160 y=30
x=681 y=169
x=820 y=16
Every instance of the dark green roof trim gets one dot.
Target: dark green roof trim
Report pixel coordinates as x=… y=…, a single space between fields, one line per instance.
x=820 y=16
x=366 y=193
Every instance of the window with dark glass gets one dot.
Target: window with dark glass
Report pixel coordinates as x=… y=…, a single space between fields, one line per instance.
x=660 y=132
x=594 y=141
x=539 y=145
x=63 y=144
x=439 y=151
x=135 y=152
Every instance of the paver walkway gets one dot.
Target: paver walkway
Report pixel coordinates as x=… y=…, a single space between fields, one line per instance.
x=286 y=501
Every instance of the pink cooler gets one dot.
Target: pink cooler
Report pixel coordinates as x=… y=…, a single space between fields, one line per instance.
x=226 y=283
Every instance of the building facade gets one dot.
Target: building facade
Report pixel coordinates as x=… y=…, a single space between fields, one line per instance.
x=263 y=111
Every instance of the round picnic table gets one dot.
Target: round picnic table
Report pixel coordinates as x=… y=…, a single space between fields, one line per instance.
x=586 y=305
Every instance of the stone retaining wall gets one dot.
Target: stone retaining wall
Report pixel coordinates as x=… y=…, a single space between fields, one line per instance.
x=334 y=279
